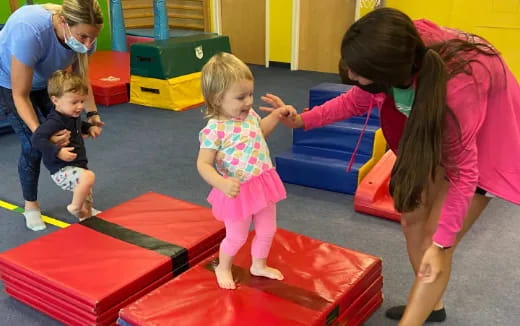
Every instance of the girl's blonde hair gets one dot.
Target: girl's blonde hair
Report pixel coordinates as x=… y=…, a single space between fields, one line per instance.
x=218 y=74
x=79 y=12
x=64 y=81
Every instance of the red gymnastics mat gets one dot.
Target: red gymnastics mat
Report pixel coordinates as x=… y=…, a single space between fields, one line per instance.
x=83 y=274
x=373 y=194
x=109 y=75
x=324 y=285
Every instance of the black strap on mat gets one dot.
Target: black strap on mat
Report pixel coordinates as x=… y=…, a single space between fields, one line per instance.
x=277 y=288
x=178 y=254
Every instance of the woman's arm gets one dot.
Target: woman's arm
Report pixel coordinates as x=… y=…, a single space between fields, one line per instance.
x=21 y=84
x=352 y=103
x=460 y=152
x=90 y=103
x=21 y=88
x=41 y=137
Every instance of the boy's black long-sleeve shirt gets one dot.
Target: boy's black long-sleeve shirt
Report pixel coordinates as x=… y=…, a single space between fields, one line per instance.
x=55 y=122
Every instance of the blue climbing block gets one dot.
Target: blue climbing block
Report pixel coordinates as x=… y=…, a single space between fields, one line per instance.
x=323 y=92
x=319 y=168
x=319 y=157
x=342 y=136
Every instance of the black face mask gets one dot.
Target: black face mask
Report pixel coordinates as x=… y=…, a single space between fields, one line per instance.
x=373 y=88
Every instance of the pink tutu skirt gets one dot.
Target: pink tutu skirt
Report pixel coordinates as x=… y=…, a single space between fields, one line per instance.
x=255 y=194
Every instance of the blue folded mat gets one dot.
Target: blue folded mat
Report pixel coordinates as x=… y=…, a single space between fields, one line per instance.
x=319 y=157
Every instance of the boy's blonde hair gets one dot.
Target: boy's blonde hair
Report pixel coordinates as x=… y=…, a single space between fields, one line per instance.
x=218 y=74
x=64 y=81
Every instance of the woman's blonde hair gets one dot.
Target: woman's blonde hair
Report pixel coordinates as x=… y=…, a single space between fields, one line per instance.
x=64 y=81
x=218 y=74
x=79 y=12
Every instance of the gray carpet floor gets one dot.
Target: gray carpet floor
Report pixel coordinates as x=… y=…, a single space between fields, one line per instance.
x=144 y=149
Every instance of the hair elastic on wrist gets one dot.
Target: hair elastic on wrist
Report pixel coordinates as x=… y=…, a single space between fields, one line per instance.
x=92 y=113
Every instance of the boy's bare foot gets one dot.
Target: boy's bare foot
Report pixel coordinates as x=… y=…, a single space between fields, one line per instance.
x=266 y=271
x=225 y=278
x=80 y=212
x=91 y=210
x=87 y=207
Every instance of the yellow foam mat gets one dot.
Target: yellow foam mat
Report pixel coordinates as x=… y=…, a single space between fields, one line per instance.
x=179 y=93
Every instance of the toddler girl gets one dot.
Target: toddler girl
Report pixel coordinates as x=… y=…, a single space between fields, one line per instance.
x=234 y=159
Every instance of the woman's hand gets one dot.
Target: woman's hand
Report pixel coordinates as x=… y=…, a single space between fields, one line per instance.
x=283 y=112
x=287 y=113
x=60 y=138
x=434 y=262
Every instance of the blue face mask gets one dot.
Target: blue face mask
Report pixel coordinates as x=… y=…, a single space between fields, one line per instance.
x=73 y=43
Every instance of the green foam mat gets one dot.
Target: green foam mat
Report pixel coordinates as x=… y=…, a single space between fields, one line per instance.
x=176 y=56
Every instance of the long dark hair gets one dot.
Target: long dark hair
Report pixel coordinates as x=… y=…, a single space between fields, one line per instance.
x=384 y=46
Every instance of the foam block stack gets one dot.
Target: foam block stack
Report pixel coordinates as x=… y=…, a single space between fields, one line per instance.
x=109 y=75
x=319 y=157
x=166 y=74
x=84 y=274
x=324 y=284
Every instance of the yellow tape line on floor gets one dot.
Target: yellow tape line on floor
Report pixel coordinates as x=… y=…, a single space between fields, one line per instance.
x=46 y=219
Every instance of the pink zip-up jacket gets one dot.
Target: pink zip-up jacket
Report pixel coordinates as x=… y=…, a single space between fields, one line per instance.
x=487 y=106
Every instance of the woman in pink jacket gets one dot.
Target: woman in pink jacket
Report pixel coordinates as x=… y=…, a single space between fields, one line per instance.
x=450 y=109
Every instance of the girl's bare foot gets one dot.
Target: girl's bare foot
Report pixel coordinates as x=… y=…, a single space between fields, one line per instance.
x=266 y=271
x=225 y=278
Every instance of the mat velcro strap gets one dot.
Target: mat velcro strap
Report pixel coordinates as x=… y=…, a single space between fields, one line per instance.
x=277 y=288
x=178 y=254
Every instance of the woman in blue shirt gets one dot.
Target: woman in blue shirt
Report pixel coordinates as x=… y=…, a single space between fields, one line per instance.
x=36 y=41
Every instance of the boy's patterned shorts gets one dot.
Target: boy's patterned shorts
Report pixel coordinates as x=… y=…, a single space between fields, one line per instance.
x=67 y=178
